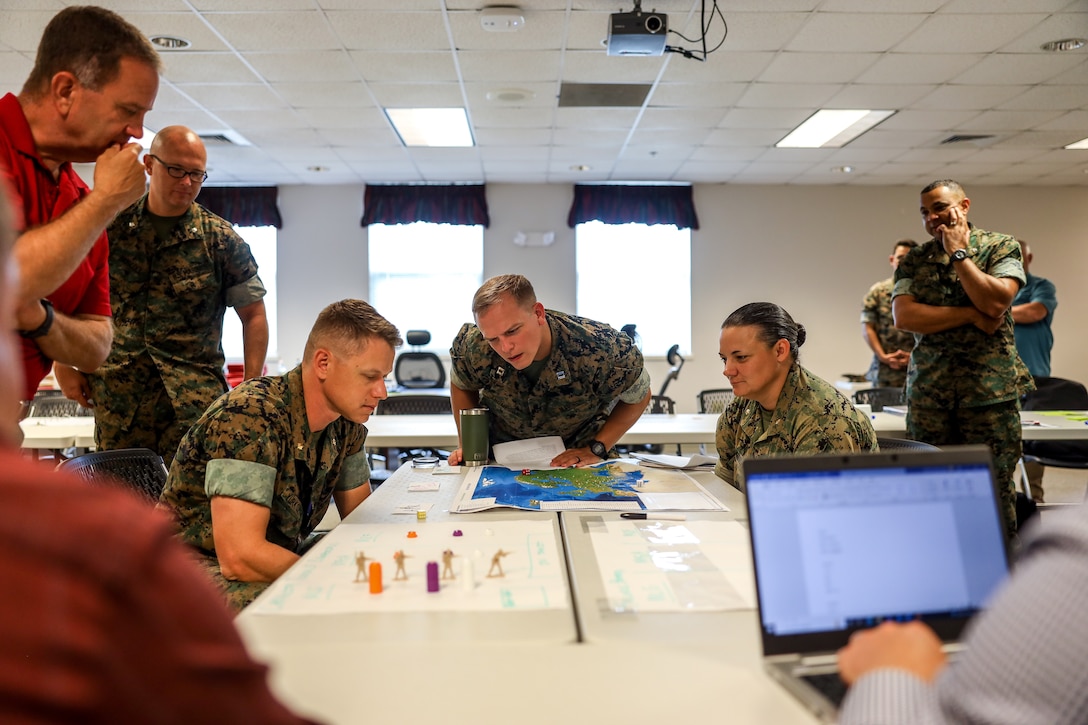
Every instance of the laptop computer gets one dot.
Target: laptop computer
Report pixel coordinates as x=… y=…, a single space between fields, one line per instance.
x=844 y=542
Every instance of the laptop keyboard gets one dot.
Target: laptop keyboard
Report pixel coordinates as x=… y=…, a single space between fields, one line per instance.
x=829 y=684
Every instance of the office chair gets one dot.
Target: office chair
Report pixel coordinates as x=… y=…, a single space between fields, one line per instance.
x=676 y=360
x=51 y=405
x=879 y=397
x=139 y=469
x=1056 y=394
x=408 y=404
x=714 y=400
x=416 y=368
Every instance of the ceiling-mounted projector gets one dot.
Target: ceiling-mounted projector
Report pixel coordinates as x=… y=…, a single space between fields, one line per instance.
x=637 y=33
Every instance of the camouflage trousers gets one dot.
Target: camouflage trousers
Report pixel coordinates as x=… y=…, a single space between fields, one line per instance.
x=237 y=595
x=154 y=425
x=996 y=426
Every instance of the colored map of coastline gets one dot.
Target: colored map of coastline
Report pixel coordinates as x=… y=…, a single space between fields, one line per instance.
x=609 y=482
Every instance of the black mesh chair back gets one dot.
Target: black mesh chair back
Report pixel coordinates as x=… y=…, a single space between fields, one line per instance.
x=879 y=397
x=416 y=368
x=415 y=405
x=1057 y=394
x=138 y=469
x=714 y=400
x=903 y=444
x=51 y=405
x=661 y=404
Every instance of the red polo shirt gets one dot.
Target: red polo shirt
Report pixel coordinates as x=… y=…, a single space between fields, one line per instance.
x=37 y=198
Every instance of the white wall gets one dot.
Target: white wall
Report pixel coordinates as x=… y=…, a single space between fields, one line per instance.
x=813 y=249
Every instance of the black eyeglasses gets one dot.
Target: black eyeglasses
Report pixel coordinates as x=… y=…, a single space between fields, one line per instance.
x=197 y=177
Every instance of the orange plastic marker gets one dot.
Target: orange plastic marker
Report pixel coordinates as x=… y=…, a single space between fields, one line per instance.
x=375 y=577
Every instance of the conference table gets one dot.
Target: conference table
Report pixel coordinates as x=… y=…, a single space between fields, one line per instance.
x=439 y=431
x=580 y=660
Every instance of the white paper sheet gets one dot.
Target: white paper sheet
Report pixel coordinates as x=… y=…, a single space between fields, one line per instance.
x=666 y=566
x=324 y=581
x=530 y=453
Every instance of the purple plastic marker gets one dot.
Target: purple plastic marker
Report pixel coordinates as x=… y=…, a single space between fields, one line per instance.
x=432 y=576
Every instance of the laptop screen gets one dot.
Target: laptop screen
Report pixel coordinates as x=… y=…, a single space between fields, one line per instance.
x=844 y=542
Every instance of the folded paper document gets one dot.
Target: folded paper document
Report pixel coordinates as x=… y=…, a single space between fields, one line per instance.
x=693 y=462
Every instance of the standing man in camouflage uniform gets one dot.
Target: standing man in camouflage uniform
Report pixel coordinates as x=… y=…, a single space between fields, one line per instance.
x=174 y=269
x=545 y=373
x=891 y=346
x=965 y=378
x=780 y=407
x=255 y=475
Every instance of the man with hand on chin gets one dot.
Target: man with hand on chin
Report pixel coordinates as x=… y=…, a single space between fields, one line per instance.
x=255 y=475
x=95 y=76
x=954 y=293
x=546 y=373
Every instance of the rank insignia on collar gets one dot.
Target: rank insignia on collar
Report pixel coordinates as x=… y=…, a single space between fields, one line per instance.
x=560 y=375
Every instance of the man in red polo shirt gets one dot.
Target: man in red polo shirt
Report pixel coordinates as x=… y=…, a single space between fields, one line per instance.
x=94 y=79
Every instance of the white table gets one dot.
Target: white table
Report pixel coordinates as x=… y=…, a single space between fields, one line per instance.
x=466 y=667
x=57 y=433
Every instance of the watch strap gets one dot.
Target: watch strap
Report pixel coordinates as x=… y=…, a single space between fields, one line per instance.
x=43 y=329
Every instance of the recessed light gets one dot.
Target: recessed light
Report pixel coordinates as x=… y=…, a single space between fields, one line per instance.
x=832 y=128
x=580 y=167
x=317 y=169
x=510 y=95
x=1060 y=46
x=843 y=169
x=443 y=127
x=169 y=42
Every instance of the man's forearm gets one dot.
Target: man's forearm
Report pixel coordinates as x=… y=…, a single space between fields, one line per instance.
x=254 y=319
x=261 y=562
x=82 y=341
x=868 y=333
x=924 y=319
x=621 y=419
x=1028 y=313
x=990 y=295
x=48 y=255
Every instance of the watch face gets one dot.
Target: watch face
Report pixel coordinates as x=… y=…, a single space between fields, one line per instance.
x=598 y=449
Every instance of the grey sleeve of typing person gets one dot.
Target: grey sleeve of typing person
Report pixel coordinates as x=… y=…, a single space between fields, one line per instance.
x=1026 y=661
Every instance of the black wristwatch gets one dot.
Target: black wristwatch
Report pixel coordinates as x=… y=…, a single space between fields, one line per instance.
x=43 y=329
x=598 y=449
x=960 y=254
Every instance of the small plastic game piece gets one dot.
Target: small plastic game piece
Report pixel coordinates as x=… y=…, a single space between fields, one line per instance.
x=375 y=577
x=496 y=562
x=447 y=564
x=468 y=578
x=421 y=515
x=457 y=532
x=399 y=556
x=525 y=471
x=412 y=535
x=360 y=565
x=432 y=577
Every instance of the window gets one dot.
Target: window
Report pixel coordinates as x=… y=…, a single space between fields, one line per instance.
x=637 y=273
x=423 y=276
x=262 y=242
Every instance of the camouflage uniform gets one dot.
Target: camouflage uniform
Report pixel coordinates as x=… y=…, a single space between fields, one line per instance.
x=168 y=299
x=811 y=416
x=591 y=366
x=963 y=385
x=255 y=444
x=876 y=310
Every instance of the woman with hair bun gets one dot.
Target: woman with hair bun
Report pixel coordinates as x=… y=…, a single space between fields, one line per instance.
x=780 y=408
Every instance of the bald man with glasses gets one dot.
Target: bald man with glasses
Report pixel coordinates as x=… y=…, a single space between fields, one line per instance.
x=174 y=269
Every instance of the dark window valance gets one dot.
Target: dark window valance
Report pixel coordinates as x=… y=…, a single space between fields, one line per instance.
x=246 y=206
x=439 y=204
x=613 y=204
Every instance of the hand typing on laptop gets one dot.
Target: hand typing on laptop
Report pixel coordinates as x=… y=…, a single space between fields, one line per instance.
x=912 y=647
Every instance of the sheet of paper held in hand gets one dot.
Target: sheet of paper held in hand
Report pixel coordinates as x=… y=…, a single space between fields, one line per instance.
x=668 y=566
x=332 y=579
x=614 y=485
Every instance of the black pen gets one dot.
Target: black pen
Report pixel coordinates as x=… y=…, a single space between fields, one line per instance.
x=654 y=517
